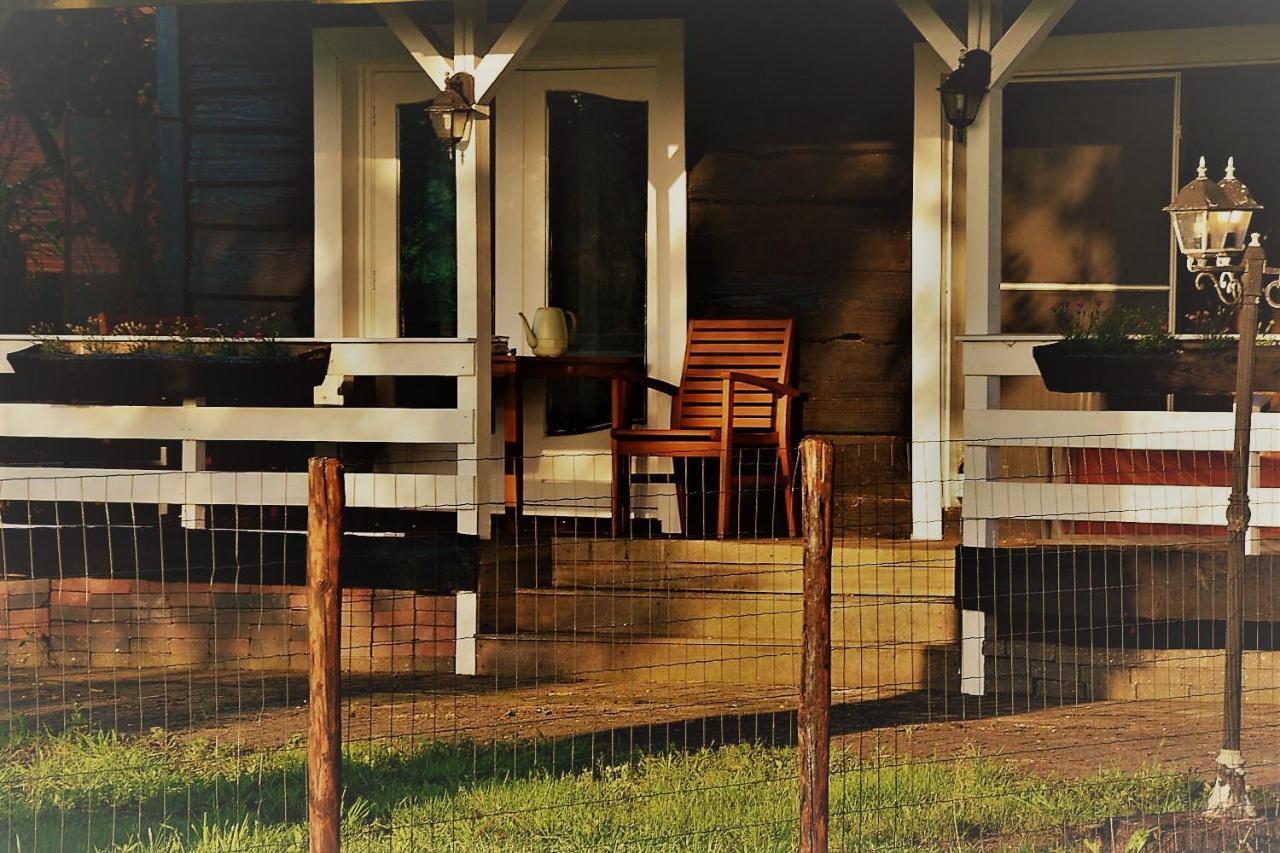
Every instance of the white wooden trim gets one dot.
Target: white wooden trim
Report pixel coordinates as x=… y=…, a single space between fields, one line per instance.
x=248 y=488
x=519 y=37
x=939 y=35
x=1126 y=503
x=328 y=247
x=422 y=45
x=1026 y=34
x=1154 y=50
x=466 y=628
x=243 y=423
x=930 y=297
x=1115 y=430
x=1091 y=287
x=1003 y=356
x=984 y=172
x=403 y=358
x=474 y=180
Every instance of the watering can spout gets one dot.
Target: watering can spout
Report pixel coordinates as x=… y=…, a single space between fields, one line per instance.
x=528 y=332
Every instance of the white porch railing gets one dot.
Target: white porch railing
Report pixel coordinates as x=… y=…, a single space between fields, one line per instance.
x=991 y=496
x=452 y=431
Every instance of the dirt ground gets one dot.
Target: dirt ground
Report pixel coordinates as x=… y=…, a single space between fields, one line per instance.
x=262 y=710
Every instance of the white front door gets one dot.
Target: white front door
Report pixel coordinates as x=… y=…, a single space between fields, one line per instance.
x=581 y=232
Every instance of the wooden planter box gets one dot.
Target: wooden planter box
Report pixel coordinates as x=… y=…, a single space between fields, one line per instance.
x=288 y=373
x=1193 y=370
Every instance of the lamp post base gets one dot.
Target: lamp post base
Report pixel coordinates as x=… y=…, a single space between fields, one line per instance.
x=1228 y=798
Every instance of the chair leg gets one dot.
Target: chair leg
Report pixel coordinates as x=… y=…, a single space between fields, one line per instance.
x=785 y=466
x=681 y=469
x=722 y=506
x=620 y=495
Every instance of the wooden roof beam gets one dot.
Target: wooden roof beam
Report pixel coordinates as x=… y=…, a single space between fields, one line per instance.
x=936 y=31
x=421 y=44
x=1027 y=33
x=514 y=45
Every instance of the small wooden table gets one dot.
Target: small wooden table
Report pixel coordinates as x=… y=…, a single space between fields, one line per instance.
x=513 y=370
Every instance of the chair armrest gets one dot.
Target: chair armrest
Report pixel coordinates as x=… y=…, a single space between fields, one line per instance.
x=647 y=381
x=777 y=389
x=618 y=402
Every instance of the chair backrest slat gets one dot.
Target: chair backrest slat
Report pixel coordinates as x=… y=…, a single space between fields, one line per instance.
x=714 y=347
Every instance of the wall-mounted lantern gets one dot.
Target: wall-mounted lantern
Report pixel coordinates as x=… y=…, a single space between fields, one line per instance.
x=963 y=89
x=453 y=111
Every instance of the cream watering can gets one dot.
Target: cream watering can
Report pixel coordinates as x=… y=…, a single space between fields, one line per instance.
x=551 y=332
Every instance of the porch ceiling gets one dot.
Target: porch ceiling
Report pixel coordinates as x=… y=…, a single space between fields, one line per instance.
x=9 y=6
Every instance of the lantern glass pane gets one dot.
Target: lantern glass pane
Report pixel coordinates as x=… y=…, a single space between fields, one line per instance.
x=1235 y=229
x=442 y=123
x=1192 y=230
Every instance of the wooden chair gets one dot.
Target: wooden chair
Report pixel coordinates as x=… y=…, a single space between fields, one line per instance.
x=733 y=394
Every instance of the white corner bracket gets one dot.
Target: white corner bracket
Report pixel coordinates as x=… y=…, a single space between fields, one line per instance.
x=1019 y=42
x=519 y=37
x=936 y=31
x=421 y=44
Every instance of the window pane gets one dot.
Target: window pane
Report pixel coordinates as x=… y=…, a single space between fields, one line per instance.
x=1086 y=173
x=428 y=230
x=598 y=178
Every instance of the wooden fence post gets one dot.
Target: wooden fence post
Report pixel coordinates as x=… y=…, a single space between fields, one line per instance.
x=325 y=501
x=814 y=739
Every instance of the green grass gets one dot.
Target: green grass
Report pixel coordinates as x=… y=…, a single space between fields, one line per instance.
x=90 y=790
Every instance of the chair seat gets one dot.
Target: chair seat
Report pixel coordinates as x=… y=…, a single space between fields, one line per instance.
x=666 y=434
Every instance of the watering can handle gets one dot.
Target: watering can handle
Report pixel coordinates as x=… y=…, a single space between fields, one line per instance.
x=573 y=324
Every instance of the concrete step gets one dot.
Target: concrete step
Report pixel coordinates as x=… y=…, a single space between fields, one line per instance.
x=731 y=616
x=868 y=567
x=1050 y=672
x=889 y=669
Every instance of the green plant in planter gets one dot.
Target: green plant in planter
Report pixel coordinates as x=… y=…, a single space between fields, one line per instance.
x=1089 y=327
x=1217 y=328
x=256 y=336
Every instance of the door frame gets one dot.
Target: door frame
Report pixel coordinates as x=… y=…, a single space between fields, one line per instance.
x=349 y=176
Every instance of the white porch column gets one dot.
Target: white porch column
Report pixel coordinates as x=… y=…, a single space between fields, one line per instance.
x=984 y=173
x=930 y=301
x=476 y=463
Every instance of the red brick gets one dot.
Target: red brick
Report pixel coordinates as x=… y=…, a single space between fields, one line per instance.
x=24 y=586
x=68 y=597
x=29 y=617
x=96 y=585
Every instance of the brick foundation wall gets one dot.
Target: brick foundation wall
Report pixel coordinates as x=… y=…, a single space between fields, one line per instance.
x=114 y=623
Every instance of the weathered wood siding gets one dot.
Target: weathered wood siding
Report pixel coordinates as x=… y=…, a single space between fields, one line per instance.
x=246 y=103
x=799 y=130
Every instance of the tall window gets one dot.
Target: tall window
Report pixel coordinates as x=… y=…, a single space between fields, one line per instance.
x=1088 y=166
x=598 y=180
x=428 y=230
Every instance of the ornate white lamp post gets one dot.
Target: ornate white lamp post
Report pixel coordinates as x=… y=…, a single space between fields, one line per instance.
x=1211 y=221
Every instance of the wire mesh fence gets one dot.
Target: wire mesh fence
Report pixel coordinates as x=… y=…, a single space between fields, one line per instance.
x=1046 y=675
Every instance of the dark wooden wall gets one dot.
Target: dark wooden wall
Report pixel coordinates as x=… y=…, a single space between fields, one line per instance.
x=799 y=132
x=246 y=103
